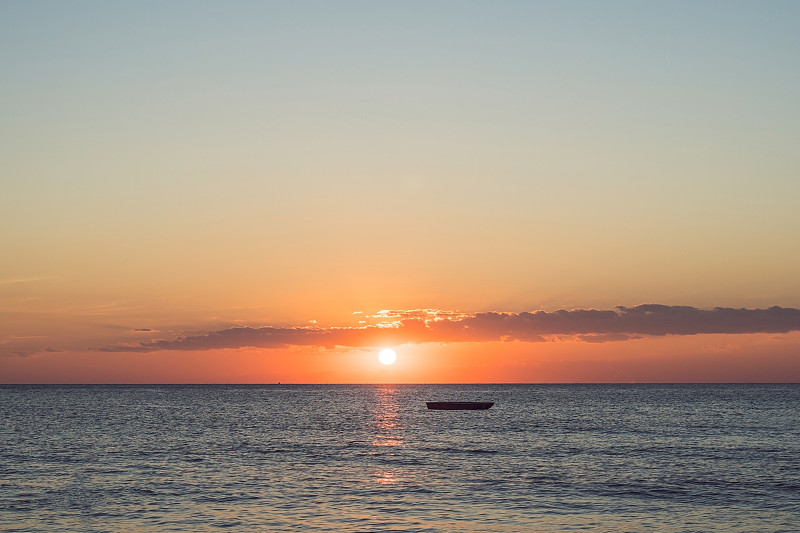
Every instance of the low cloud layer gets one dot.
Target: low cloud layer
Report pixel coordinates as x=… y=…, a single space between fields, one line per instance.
x=587 y=325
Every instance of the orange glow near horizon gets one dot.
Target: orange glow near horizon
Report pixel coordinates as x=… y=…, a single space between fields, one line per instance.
x=696 y=358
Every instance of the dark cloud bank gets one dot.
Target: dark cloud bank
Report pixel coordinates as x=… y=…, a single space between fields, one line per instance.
x=589 y=325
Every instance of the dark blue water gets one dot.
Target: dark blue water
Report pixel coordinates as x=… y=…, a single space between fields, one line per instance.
x=373 y=458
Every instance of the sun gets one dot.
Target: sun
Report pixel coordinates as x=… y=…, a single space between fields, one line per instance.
x=387 y=356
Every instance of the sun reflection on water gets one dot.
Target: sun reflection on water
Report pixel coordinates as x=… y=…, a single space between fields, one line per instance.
x=386 y=418
x=388 y=478
x=388 y=439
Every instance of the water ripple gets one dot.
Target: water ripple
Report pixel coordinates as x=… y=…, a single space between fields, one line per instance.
x=373 y=458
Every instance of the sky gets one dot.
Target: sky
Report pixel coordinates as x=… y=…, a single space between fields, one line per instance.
x=261 y=192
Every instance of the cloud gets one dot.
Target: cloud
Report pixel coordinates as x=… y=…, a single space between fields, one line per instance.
x=649 y=319
x=14 y=281
x=606 y=337
x=420 y=326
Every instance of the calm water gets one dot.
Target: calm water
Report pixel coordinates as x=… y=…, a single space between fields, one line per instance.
x=373 y=458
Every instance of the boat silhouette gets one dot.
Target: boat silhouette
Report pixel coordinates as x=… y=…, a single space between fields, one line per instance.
x=459 y=406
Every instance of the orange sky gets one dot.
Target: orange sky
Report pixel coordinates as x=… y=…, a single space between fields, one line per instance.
x=697 y=358
x=574 y=192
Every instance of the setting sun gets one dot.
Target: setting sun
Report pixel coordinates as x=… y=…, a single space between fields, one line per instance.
x=387 y=356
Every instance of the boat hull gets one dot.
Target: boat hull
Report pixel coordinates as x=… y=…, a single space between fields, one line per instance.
x=459 y=406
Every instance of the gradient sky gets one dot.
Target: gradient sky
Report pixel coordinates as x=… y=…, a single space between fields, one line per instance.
x=259 y=192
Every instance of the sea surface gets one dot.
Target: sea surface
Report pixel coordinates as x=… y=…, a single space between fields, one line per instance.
x=372 y=458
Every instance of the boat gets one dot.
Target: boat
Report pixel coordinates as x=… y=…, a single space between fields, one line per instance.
x=459 y=406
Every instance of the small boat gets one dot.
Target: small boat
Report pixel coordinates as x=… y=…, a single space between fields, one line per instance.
x=459 y=406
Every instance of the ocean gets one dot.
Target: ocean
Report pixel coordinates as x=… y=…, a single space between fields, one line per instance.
x=373 y=458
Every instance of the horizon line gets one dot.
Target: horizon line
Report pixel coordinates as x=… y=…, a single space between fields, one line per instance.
x=276 y=384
